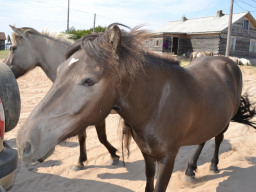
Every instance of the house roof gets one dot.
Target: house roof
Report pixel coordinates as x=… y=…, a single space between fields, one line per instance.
x=211 y=24
x=2 y=36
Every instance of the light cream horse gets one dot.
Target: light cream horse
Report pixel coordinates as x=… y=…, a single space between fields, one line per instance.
x=240 y=61
x=196 y=54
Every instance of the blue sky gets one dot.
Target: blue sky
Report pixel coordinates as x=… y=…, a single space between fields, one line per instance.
x=52 y=15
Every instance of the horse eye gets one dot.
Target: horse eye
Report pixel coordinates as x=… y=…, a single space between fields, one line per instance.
x=88 y=82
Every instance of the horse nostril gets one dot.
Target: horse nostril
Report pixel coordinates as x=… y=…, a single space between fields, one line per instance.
x=27 y=149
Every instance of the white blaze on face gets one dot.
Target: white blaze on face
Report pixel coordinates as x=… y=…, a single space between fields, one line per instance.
x=72 y=61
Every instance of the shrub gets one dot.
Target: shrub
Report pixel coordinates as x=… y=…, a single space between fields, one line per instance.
x=77 y=34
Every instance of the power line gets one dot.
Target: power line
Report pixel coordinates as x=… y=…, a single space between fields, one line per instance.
x=38 y=3
x=247 y=4
x=61 y=7
x=242 y=7
x=64 y=7
x=239 y=6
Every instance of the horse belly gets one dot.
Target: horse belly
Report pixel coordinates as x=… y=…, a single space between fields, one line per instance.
x=203 y=134
x=209 y=123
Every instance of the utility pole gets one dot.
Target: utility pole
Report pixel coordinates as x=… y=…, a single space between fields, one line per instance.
x=94 y=22
x=68 y=19
x=229 y=28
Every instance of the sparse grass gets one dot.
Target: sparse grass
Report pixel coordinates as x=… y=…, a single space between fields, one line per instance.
x=248 y=70
x=184 y=63
x=3 y=54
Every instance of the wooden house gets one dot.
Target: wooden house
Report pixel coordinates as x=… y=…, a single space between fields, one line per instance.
x=207 y=34
x=2 y=41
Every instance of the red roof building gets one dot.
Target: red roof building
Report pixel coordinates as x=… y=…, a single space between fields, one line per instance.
x=2 y=36
x=2 y=41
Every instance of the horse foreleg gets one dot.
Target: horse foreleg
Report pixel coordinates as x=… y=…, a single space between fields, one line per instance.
x=101 y=132
x=150 y=172
x=215 y=159
x=83 y=156
x=192 y=164
x=165 y=168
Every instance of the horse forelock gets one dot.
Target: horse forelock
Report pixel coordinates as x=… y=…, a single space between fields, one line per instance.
x=127 y=62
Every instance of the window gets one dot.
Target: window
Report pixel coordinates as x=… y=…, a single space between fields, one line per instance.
x=146 y=43
x=252 y=47
x=157 y=43
x=233 y=44
x=246 y=25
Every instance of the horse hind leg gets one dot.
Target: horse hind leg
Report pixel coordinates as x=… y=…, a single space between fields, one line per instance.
x=83 y=156
x=215 y=159
x=192 y=164
x=101 y=132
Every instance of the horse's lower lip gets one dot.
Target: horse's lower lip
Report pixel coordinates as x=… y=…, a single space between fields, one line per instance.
x=46 y=155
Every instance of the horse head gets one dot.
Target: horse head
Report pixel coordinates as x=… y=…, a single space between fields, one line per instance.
x=23 y=55
x=31 y=48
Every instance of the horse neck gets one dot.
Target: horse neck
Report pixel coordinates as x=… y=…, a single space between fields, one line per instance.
x=52 y=54
x=144 y=98
x=136 y=99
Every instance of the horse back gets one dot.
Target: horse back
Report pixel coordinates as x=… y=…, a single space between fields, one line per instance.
x=218 y=81
x=215 y=70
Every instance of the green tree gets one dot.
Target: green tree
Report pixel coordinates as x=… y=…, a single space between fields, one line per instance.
x=78 y=33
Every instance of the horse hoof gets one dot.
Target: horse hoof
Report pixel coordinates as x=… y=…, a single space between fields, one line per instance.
x=77 y=167
x=190 y=179
x=115 y=161
x=215 y=171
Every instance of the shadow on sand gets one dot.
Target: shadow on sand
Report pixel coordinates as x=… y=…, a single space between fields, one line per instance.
x=239 y=179
x=184 y=155
x=67 y=143
x=41 y=182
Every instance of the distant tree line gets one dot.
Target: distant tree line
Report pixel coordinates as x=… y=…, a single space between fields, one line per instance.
x=78 y=33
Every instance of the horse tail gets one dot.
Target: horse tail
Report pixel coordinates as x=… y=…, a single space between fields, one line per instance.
x=126 y=139
x=245 y=112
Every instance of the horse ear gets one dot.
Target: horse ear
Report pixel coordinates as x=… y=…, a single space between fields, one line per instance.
x=114 y=38
x=17 y=31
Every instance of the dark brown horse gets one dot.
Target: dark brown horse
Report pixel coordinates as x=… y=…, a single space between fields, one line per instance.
x=165 y=105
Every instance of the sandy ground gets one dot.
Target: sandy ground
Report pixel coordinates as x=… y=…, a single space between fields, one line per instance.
x=237 y=156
